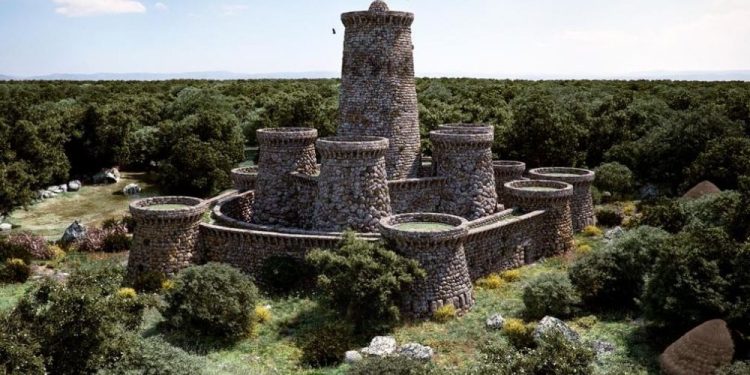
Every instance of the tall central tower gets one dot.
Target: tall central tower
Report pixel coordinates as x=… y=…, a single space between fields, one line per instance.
x=378 y=92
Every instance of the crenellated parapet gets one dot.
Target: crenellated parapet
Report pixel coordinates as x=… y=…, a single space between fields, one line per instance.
x=582 y=204
x=282 y=151
x=436 y=241
x=166 y=235
x=464 y=158
x=556 y=233
x=352 y=187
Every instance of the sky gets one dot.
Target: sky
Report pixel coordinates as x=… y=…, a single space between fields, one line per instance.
x=475 y=38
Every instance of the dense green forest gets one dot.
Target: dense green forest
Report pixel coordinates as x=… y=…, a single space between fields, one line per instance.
x=190 y=133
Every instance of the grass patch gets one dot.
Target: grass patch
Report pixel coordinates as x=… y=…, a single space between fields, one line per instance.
x=10 y=293
x=424 y=226
x=166 y=207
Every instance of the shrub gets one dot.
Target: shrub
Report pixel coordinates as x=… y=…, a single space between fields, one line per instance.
x=149 y=281
x=518 y=333
x=511 y=276
x=325 y=345
x=737 y=368
x=284 y=274
x=583 y=249
x=19 y=351
x=167 y=285
x=126 y=293
x=262 y=314
x=35 y=245
x=15 y=271
x=445 y=313
x=663 y=213
x=613 y=277
x=702 y=276
x=592 y=231
x=214 y=300
x=364 y=281
x=614 y=178
x=78 y=326
x=155 y=356
x=609 y=216
x=554 y=355
x=392 y=366
x=550 y=293
x=10 y=250
x=57 y=251
x=92 y=241
x=493 y=281
x=587 y=321
x=116 y=240
x=719 y=210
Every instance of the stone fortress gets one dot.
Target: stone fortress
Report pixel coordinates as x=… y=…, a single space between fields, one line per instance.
x=461 y=215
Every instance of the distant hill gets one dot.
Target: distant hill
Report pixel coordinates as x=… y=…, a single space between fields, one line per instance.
x=728 y=75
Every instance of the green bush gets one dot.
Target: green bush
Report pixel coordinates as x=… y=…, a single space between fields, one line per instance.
x=284 y=274
x=609 y=216
x=81 y=326
x=613 y=277
x=719 y=210
x=148 y=281
x=214 y=300
x=702 y=276
x=10 y=250
x=14 y=271
x=554 y=355
x=615 y=178
x=737 y=368
x=19 y=351
x=325 y=345
x=155 y=356
x=664 y=213
x=392 y=366
x=364 y=281
x=116 y=240
x=549 y=293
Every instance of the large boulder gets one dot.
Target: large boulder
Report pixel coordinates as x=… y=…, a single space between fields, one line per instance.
x=352 y=356
x=74 y=232
x=702 y=189
x=701 y=351
x=5 y=227
x=380 y=346
x=495 y=321
x=107 y=176
x=415 y=351
x=550 y=324
x=131 y=189
x=74 y=185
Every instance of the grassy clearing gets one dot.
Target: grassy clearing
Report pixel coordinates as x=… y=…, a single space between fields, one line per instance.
x=419 y=226
x=91 y=205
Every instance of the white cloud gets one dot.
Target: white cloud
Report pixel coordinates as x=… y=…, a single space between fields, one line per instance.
x=161 y=6
x=233 y=9
x=83 y=8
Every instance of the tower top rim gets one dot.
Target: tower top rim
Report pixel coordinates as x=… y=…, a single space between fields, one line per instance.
x=379 y=6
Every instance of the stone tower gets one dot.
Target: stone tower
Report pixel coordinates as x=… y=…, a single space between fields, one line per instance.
x=378 y=91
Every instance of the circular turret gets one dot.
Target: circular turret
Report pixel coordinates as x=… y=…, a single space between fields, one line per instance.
x=353 y=186
x=166 y=235
x=582 y=204
x=378 y=90
x=244 y=179
x=464 y=158
x=436 y=241
x=554 y=234
x=282 y=151
x=506 y=171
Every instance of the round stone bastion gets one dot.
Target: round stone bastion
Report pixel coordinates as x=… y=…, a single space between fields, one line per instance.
x=282 y=151
x=244 y=179
x=506 y=171
x=352 y=186
x=436 y=241
x=582 y=204
x=464 y=158
x=556 y=229
x=166 y=235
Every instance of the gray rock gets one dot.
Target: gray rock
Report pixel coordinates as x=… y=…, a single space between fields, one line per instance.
x=40 y=194
x=380 y=346
x=4 y=227
x=613 y=233
x=107 y=176
x=131 y=189
x=550 y=324
x=603 y=347
x=74 y=185
x=495 y=321
x=74 y=232
x=416 y=351
x=48 y=194
x=352 y=356
x=63 y=188
x=648 y=191
x=55 y=189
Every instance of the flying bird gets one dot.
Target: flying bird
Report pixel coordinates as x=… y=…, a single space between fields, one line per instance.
x=334 y=31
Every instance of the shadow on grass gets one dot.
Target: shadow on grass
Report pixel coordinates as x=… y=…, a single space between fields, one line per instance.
x=191 y=343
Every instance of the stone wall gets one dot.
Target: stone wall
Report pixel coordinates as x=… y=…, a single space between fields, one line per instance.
x=582 y=204
x=378 y=91
x=554 y=235
x=352 y=187
x=164 y=240
x=506 y=171
x=465 y=160
x=282 y=151
x=416 y=195
x=306 y=192
x=244 y=178
x=441 y=254
x=502 y=241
